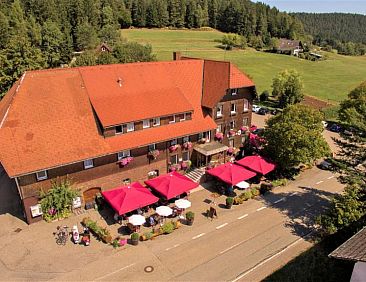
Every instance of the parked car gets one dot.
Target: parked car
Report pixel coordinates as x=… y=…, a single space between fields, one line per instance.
x=255 y=108
x=263 y=111
x=258 y=131
x=325 y=165
x=335 y=128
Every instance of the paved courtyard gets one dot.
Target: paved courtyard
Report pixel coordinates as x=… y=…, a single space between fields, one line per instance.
x=245 y=243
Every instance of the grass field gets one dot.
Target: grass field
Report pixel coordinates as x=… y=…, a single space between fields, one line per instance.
x=329 y=80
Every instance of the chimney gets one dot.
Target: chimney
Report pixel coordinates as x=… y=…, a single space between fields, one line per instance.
x=177 y=56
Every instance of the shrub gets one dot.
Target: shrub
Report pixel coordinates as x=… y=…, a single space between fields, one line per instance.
x=229 y=200
x=254 y=191
x=264 y=96
x=135 y=236
x=190 y=215
x=167 y=228
x=246 y=195
x=148 y=235
x=279 y=182
x=238 y=200
x=100 y=232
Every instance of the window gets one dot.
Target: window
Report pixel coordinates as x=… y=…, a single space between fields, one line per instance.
x=185 y=139
x=245 y=121
x=130 y=126
x=219 y=111
x=41 y=175
x=146 y=123
x=246 y=105
x=185 y=156
x=124 y=154
x=231 y=142
x=184 y=117
x=219 y=128
x=200 y=135
x=155 y=121
x=88 y=164
x=119 y=129
x=152 y=147
x=172 y=119
x=233 y=108
x=173 y=142
x=174 y=159
x=232 y=124
x=234 y=91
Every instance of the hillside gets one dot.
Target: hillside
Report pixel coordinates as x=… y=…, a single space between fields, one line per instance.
x=329 y=80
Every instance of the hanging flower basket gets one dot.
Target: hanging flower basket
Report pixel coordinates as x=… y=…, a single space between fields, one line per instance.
x=186 y=165
x=253 y=127
x=153 y=154
x=231 y=133
x=125 y=161
x=219 y=136
x=231 y=151
x=187 y=145
x=243 y=129
x=174 y=148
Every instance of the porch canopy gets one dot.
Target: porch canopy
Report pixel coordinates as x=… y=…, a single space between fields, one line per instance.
x=171 y=185
x=257 y=164
x=212 y=148
x=128 y=198
x=231 y=173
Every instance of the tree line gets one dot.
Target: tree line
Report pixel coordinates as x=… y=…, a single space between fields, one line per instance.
x=343 y=32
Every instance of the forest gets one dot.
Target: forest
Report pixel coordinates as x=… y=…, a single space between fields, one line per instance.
x=37 y=34
x=344 y=32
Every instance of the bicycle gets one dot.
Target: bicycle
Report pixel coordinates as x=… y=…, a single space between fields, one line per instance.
x=62 y=234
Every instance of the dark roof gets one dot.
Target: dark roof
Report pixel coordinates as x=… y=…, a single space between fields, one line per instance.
x=353 y=249
x=287 y=44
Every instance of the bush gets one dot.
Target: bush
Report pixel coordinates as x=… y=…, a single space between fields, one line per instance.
x=229 y=200
x=255 y=192
x=238 y=200
x=135 y=236
x=246 y=195
x=148 y=235
x=100 y=232
x=167 y=228
x=264 y=96
x=279 y=182
x=190 y=215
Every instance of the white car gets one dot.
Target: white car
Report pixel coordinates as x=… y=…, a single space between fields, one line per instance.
x=255 y=108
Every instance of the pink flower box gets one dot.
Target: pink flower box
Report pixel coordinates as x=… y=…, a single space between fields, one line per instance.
x=219 y=136
x=187 y=145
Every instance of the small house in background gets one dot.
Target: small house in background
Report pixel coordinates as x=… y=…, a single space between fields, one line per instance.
x=354 y=249
x=103 y=48
x=290 y=47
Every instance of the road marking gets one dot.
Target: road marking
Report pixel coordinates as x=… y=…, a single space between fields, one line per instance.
x=176 y=245
x=280 y=200
x=293 y=194
x=222 y=225
x=240 y=276
x=232 y=247
x=321 y=181
x=330 y=177
x=241 y=217
x=118 y=270
x=262 y=208
x=197 y=236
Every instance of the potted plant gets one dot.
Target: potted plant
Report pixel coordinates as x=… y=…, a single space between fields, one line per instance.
x=154 y=154
x=173 y=148
x=229 y=202
x=243 y=129
x=125 y=161
x=187 y=145
x=219 y=136
x=190 y=218
x=167 y=228
x=134 y=239
x=232 y=132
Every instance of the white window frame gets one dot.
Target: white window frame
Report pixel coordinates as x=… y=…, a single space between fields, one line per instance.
x=173 y=142
x=40 y=177
x=186 y=139
x=184 y=117
x=86 y=165
x=146 y=123
x=231 y=111
x=246 y=103
x=123 y=154
x=219 y=128
x=174 y=119
x=153 y=146
x=117 y=133
x=219 y=112
x=246 y=123
x=234 y=91
x=231 y=142
x=156 y=122
x=232 y=124
x=130 y=127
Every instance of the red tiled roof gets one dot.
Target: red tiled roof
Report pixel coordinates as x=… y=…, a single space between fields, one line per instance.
x=51 y=121
x=239 y=79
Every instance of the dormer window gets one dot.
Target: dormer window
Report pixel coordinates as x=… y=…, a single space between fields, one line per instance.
x=146 y=123
x=185 y=139
x=233 y=108
x=219 y=111
x=130 y=127
x=155 y=121
x=152 y=147
x=119 y=129
x=124 y=154
x=88 y=164
x=172 y=119
x=234 y=91
x=41 y=175
x=173 y=142
x=184 y=117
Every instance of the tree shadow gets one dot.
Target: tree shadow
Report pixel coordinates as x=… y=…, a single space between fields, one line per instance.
x=300 y=208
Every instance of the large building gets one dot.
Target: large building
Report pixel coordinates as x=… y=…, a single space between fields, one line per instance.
x=107 y=125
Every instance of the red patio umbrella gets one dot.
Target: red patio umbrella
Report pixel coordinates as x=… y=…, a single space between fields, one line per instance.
x=231 y=173
x=171 y=185
x=257 y=164
x=128 y=198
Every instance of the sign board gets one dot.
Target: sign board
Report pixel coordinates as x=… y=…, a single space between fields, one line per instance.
x=36 y=210
x=76 y=203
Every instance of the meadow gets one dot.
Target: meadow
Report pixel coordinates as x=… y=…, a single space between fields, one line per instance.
x=330 y=80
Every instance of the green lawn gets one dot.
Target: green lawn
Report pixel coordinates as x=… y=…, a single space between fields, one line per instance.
x=329 y=80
